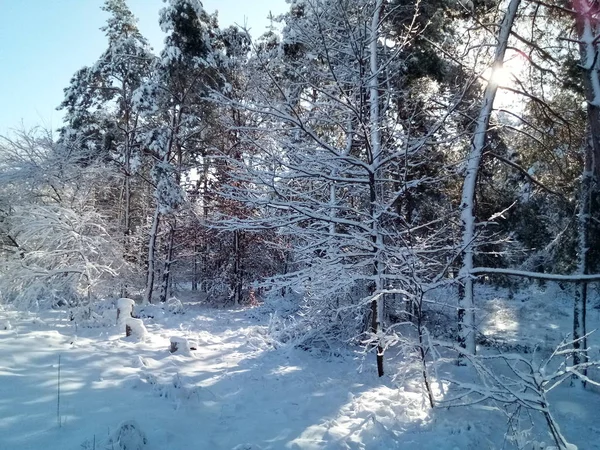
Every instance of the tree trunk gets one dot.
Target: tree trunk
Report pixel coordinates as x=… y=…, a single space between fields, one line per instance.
x=166 y=278
x=127 y=224
x=580 y=301
x=237 y=268
x=152 y=256
x=129 y=139
x=127 y=189
x=377 y=305
x=588 y=31
x=466 y=306
x=586 y=22
x=205 y=242
x=195 y=274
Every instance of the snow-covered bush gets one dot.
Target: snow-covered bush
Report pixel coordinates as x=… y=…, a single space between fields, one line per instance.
x=56 y=247
x=273 y=302
x=518 y=384
x=31 y=293
x=94 y=315
x=320 y=324
x=151 y=311
x=174 y=306
x=175 y=388
x=129 y=436
x=65 y=255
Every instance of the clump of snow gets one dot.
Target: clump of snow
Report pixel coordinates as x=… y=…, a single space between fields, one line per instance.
x=136 y=328
x=128 y=436
x=39 y=322
x=124 y=308
x=125 y=304
x=5 y=325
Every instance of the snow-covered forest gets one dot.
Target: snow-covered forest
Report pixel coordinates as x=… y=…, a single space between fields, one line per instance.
x=374 y=226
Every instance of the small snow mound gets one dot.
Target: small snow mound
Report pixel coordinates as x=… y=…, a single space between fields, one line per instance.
x=377 y=434
x=206 y=338
x=5 y=325
x=140 y=361
x=128 y=436
x=149 y=378
x=38 y=321
x=135 y=328
x=255 y=342
x=182 y=345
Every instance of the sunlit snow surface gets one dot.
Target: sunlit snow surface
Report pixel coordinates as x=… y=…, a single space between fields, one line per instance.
x=239 y=390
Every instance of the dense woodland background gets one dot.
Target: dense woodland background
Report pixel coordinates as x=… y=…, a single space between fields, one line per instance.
x=350 y=158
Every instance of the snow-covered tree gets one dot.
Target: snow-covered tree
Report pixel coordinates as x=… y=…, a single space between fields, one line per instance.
x=175 y=99
x=101 y=122
x=466 y=312
x=57 y=247
x=334 y=161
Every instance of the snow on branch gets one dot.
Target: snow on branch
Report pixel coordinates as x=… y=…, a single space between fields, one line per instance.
x=535 y=275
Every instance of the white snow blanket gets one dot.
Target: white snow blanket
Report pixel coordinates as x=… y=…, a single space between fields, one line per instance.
x=238 y=391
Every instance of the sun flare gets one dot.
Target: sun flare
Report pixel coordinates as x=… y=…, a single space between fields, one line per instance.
x=502 y=76
x=505 y=75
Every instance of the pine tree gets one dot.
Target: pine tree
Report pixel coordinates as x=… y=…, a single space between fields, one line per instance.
x=176 y=100
x=101 y=121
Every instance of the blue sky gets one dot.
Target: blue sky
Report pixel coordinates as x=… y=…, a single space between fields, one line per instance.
x=42 y=43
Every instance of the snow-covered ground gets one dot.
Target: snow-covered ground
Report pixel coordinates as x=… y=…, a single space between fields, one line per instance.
x=239 y=390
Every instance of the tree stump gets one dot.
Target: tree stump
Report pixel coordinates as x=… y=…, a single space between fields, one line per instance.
x=135 y=328
x=182 y=345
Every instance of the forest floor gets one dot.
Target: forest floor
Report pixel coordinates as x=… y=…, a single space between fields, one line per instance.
x=240 y=390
